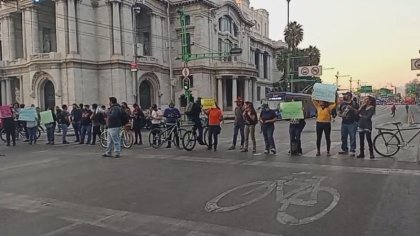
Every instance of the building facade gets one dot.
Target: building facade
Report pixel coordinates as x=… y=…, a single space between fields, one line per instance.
x=78 y=51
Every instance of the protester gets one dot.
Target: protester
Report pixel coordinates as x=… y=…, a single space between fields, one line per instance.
x=323 y=124
x=75 y=118
x=32 y=128
x=9 y=126
x=64 y=122
x=250 y=119
x=172 y=115
x=239 y=124
x=138 y=121
x=195 y=117
x=114 y=122
x=407 y=108
x=393 y=109
x=296 y=127
x=366 y=111
x=51 y=127
x=126 y=109
x=215 y=116
x=156 y=116
x=98 y=119
x=23 y=125
x=57 y=113
x=86 y=125
x=267 y=119
x=348 y=112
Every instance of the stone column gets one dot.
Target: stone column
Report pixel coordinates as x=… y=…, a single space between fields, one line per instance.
x=12 y=39
x=35 y=30
x=61 y=26
x=254 y=91
x=261 y=65
x=5 y=48
x=246 y=92
x=116 y=27
x=71 y=21
x=3 y=93
x=8 y=92
x=234 y=92
x=220 y=92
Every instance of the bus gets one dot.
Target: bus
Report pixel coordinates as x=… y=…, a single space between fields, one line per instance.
x=275 y=98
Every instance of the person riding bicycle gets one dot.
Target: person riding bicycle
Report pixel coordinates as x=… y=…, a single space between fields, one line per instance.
x=195 y=114
x=172 y=115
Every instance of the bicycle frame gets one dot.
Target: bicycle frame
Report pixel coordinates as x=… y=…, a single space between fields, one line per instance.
x=399 y=132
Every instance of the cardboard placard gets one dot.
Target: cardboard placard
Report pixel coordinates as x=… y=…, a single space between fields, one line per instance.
x=27 y=114
x=324 y=92
x=208 y=103
x=291 y=110
x=46 y=117
x=5 y=112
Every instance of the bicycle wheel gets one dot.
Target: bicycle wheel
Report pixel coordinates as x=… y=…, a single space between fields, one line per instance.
x=127 y=139
x=206 y=135
x=181 y=133
x=386 y=144
x=189 y=140
x=38 y=133
x=247 y=196
x=104 y=139
x=156 y=138
x=3 y=135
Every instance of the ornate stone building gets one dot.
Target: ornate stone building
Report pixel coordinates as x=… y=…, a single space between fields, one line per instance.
x=82 y=51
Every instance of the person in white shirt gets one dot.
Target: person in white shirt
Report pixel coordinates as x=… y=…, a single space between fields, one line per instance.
x=156 y=120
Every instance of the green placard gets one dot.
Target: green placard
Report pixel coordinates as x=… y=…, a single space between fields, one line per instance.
x=46 y=117
x=291 y=110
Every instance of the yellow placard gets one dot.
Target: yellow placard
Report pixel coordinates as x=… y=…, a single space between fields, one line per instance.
x=208 y=103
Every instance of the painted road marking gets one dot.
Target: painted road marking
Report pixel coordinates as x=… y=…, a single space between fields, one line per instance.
x=116 y=220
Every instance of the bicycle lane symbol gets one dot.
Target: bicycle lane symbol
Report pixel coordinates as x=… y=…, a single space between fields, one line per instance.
x=305 y=185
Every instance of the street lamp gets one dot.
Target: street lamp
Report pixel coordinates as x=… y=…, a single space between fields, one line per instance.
x=288 y=13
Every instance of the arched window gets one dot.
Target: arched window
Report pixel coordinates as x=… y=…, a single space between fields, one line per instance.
x=228 y=47
x=226 y=24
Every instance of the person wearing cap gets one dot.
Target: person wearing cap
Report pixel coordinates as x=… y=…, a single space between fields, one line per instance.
x=172 y=115
x=348 y=110
x=239 y=124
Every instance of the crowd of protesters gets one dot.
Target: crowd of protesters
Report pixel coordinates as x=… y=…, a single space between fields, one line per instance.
x=90 y=121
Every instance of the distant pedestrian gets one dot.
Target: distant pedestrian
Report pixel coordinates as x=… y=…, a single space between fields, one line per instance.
x=251 y=120
x=9 y=126
x=196 y=119
x=57 y=113
x=393 y=109
x=75 y=118
x=138 y=122
x=366 y=111
x=215 y=116
x=51 y=127
x=267 y=119
x=86 y=125
x=239 y=124
x=64 y=122
x=172 y=116
x=407 y=108
x=348 y=112
x=114 y=122
x=296 y=127
x=32 y=127
x=323 y=124
x=98 y=119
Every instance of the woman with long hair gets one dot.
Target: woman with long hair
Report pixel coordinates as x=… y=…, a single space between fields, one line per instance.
x=251 y=119
x=366 y=111
x=138 y=117
x=323 y=124
x=296 y=127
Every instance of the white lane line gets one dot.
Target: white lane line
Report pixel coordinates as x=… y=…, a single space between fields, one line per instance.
x=116 y=220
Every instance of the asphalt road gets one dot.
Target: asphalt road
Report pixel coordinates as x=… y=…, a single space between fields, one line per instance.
x=71 y=190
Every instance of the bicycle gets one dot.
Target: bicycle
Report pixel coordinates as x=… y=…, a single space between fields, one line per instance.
x=386 y=143
x=189 y=140
x=305 y=194
x=173 y=134
x=20 y=133
x=127 y=138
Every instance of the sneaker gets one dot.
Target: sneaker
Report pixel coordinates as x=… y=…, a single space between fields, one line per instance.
x=242 y=147
x=328 y=154
x=266 y=152
x=352 y=154
x=65 y=142
x=244 y=150
x=318 y=154
x=343 y=152
x=208 y=148
x=273 y=150
x=117 y=155
x=254 y=151
x=231 y=147
x=106 y=155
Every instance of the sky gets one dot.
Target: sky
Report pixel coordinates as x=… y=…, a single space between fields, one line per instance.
x=371 y=40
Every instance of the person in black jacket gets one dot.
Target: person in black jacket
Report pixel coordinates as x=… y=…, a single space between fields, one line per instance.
x=9 y=125
x=138 y=122
x=114 y=122
x=366 y=111
x=51 y=127
x=195 y=113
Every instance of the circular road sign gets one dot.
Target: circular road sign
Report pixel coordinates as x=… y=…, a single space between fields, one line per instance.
x=185 y=71
x=417 y=64
x=304 y=71
x=315 y=71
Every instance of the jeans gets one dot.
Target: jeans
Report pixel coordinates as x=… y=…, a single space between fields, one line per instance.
x=64 y=129
x=236 y=128
x=348 y=130
x=32 y=134
x=322 y=127
x=250 y=130
x=85 y=130
x=115 y=139
x=76 y=127
x=50 y=134
x=368 y=135
x=213 y=136
x=295 y=131
x=268 y=131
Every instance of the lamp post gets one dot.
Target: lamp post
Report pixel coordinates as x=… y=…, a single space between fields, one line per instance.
x=288 y=13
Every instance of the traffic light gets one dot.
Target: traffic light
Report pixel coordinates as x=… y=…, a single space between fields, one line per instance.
x=186 y=83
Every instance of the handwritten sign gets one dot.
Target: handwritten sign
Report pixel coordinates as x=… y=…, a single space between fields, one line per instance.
x=5 y=112
x=27 y=114
x=46 y=117
x=291 y=110
x=208 y=103
x=324 y=92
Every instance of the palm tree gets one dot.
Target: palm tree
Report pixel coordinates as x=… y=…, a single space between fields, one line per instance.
x=314 y=55
x=293 y=35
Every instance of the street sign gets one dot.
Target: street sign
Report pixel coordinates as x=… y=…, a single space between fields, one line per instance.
x=313 y=71
x=236 y=51
x=134 y=66
x=366 y=89
x=185 y=72
x=415 y=64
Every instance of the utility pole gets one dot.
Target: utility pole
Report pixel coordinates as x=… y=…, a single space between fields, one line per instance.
x=351 y=83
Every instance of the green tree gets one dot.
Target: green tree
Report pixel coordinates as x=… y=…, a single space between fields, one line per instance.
x=293 y=35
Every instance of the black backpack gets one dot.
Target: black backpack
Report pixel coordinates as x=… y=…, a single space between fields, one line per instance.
x=124 y=118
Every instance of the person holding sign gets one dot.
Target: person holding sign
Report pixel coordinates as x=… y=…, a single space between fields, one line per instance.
x=323 y=123
x=49 y=119
x=297 y=124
